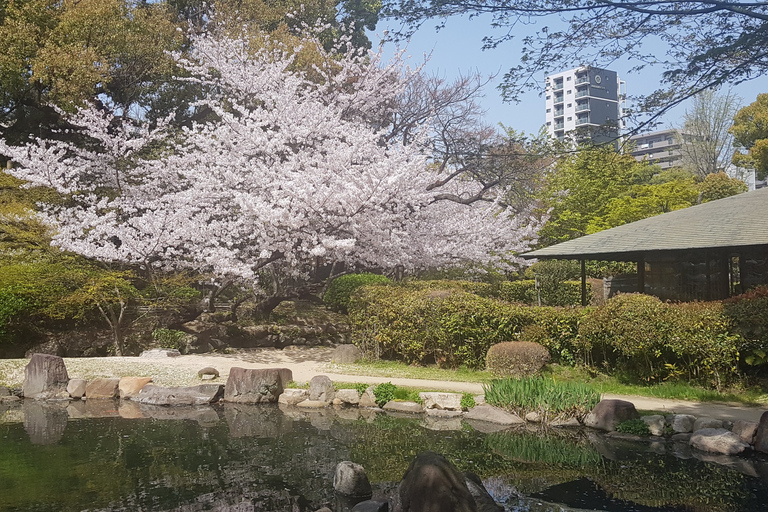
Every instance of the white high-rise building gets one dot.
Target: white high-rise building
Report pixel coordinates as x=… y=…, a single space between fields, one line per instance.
x=584 y=103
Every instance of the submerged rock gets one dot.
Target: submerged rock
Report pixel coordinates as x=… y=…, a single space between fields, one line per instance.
x=253 y=386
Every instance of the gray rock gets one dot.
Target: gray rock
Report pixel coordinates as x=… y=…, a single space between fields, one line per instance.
x=293 y=396
x=321 y=389
x=45 y=376
x=682 y=423
x=371 y=506
x=368 y=399
x=746 y=430
x=567 y=422
x=443 y=413
x=348 y=396
x=4 y=391
x=479 y=399
x=193 y=395
x=609 y=413
x=410 y=407
x=208 y=373
x=160 y=353
x=76 y=388
x=346 y=354
x=656 y=424
x=130 y=387
x=761 y=437
x=102 y=389
x=312 y=404
x=350 y=479
x=717 y=440
x=682 y=437
x=533 y=417
x=252 y=386
x=705 y=422
x=433 y=483
x=442 y=401
x=483 y=500
x=493 y=414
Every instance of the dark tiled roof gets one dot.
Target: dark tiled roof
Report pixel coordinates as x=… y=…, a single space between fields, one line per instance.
x=736 y=221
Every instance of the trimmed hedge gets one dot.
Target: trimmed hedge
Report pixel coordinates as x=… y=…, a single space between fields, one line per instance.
x=564 y=293
x=337 y=295
x=634 y=335
x=516 y=359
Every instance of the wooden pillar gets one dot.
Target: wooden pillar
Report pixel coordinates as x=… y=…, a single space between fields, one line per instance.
x=583 y=282
x=641 y=274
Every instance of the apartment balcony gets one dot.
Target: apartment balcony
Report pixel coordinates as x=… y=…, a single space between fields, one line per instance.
x=558 y=98
x=558 y=86
x=582 y=80
x=583 y=93
x=559 y=126
x=581 y=107
x=582 y=120
x=559 y=112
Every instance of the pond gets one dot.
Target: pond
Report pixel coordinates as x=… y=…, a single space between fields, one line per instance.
x=112 y=456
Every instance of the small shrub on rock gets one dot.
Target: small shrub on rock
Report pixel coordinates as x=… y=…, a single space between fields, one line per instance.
x=635 y=427
x=516 y=359
x=384 y=392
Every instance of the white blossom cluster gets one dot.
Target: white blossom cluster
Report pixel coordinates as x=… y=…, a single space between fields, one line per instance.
x=290 y=170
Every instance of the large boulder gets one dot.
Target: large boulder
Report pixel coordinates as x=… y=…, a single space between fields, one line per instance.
x=761 y=437
x=45 y=376
x=130 y=387
x=350 y=479
x=717 y=440
x=746 y=430
x=682 y=423
x=253 y=386
x=441 y=401
x=433 y=483
x=705 y=422
x=347 y=397
x=321 y=389
x=656 y=424
x=102 y=389
x=193 y=395
x=367 y=399
x=609 y=413
x=346 y=354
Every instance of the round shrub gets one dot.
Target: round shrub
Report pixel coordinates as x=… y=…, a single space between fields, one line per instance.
x=516 y=359
x=337 y=295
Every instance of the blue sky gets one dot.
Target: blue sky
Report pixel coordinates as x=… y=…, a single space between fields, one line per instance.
x=457 y=49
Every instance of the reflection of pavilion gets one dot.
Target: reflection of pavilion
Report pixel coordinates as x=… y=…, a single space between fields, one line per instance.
x=706 y=252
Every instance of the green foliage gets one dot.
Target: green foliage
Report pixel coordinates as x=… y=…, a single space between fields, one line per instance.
x=545 y=449
x=542 y=395
x=719 y=185
x=449 y=327
x=516 y=359
x=654 y=341
x=384 y=392
x=467 y=401
x=750 y=133
x=361 y=387
x=636 y=427
x=748 y=314
x=598 y=188
x=169 y=338
x=340 y=289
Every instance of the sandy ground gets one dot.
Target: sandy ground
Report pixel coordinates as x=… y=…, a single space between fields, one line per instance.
x=305 y=363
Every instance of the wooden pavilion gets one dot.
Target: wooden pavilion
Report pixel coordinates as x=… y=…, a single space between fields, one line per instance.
x=705 y=252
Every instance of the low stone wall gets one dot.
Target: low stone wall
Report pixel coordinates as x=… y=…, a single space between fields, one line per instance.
x=46 y=378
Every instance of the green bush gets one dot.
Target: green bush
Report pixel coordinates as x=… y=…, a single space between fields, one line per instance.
x=516 y=359
x=748 y=314
x=467 y=401
x=169 y=338
x=337 y=295
x=563 y=293
x=384 y=392
x=449 y=327
x=654 y=341
x=544 y=396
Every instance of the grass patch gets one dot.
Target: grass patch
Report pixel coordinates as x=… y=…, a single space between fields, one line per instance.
x=396 y=369
x=545 y=396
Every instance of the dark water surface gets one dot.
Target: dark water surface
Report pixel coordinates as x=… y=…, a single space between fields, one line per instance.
x=105 y=455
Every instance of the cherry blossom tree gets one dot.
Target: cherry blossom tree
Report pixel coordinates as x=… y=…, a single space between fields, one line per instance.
x=290 y=171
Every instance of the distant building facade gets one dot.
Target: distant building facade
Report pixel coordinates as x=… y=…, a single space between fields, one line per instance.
x=661 y=148
x=584 y=103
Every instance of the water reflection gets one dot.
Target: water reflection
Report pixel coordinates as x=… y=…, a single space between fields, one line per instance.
x=120 y=456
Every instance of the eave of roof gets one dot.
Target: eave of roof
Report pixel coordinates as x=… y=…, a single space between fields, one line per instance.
x=733 y=222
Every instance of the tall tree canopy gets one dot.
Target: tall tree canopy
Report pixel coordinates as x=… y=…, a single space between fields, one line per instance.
x=750 y=131
x=709 y=43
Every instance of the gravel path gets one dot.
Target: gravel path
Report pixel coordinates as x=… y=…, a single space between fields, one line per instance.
x=305 y=363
